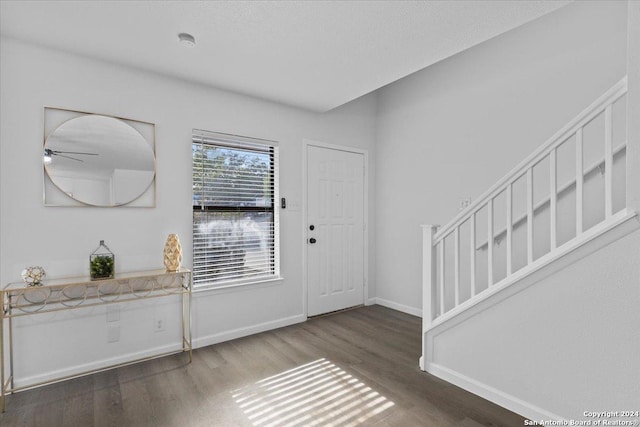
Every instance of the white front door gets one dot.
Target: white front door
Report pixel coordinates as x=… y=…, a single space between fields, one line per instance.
x=335 y=230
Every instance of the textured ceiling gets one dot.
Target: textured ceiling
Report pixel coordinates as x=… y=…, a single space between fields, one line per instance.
x=311 y=54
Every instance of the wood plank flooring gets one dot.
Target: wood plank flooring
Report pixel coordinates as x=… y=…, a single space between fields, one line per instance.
x=357 y=367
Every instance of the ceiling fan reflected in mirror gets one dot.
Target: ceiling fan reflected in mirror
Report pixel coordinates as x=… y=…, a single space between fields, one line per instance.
x=48 y=155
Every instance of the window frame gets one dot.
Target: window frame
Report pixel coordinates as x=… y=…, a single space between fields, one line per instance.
x=204 y=138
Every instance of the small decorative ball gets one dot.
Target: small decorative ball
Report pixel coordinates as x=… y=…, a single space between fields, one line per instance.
x=33 y=276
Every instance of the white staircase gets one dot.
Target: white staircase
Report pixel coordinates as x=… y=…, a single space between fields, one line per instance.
x=560 y=199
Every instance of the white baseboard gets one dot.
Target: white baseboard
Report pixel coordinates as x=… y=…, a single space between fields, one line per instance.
x=96 y=365
x=197 y=342
x=247 y=330
x=370 y=301
x=526 y=409
x=397 y=306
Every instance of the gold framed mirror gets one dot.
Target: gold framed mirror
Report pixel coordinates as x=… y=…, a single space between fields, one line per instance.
x=97 y=160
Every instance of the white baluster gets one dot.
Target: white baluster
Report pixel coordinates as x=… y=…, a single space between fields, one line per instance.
x=456 y=264
x=489 y=242
x=633 y=107
x=553 y=197
x=441 y=282
x=472 y=248
x=579 y=182
x=608 y=164
x=530 y=215
x=509 y=228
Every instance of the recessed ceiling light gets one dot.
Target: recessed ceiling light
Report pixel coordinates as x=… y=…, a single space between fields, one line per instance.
x=187 y=39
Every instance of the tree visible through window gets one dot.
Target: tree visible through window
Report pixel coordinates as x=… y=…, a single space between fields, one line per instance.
x=234 y=214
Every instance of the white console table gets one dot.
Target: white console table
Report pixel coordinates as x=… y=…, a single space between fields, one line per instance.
x=17 y=300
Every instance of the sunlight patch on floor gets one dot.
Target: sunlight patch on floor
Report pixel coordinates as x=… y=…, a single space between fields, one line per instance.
x=315 y=394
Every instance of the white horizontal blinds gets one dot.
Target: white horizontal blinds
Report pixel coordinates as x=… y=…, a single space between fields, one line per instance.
x=235 y=221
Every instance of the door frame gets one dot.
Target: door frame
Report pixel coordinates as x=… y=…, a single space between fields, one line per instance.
x=306 y=143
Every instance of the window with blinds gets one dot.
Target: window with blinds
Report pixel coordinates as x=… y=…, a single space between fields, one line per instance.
x=235 y=220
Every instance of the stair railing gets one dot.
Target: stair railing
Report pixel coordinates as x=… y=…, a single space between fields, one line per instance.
x=439 y=301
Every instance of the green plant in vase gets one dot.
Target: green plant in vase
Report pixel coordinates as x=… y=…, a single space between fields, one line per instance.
x=101 y=263
x=101 y=267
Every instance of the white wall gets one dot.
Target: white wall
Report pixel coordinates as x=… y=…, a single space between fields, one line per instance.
x=61 y=239
x=452 y=130
x=566 y=344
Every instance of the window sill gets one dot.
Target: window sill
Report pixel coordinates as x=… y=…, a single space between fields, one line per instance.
x=257 y=283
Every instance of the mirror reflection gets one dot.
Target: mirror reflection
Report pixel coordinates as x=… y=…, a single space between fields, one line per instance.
x=99 y=160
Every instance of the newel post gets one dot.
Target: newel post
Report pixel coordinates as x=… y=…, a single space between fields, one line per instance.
x=428 y=287
x=633 y=106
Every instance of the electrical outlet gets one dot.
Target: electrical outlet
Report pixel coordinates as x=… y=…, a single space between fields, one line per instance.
x=113 y=333
x=113 y=313
x=158 y=325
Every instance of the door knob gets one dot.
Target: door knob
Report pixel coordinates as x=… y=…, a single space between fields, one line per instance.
x=312 y=240
x=312 y=227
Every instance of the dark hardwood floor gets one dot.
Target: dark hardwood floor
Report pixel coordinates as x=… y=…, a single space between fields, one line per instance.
x=357 y=367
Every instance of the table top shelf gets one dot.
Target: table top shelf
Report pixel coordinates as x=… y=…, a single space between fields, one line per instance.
x=75 y=292
x=65 y=281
